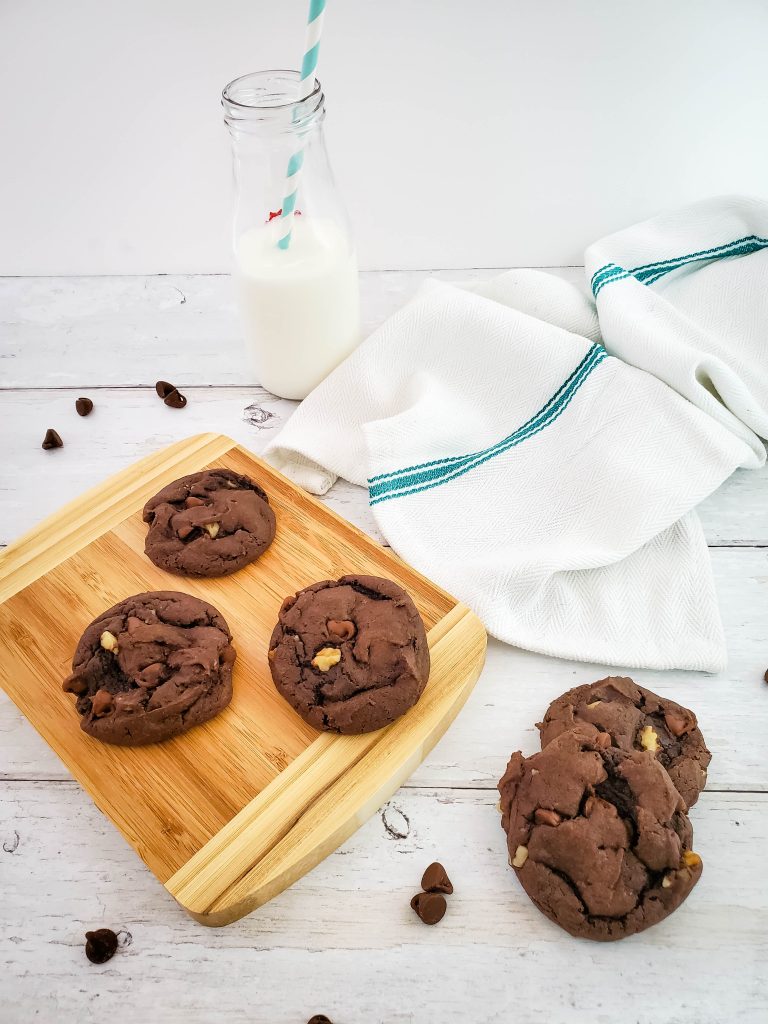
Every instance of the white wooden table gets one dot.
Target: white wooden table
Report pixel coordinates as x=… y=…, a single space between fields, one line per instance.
x=343 y=940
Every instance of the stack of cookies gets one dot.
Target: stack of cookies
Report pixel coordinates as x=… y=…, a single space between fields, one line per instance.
x=597 y=822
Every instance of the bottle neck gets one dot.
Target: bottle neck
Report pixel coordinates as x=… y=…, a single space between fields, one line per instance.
x=267 y=104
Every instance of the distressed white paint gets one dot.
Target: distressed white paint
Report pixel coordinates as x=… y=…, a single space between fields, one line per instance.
x=91 y=333
x=123 y=331
x=343 y=940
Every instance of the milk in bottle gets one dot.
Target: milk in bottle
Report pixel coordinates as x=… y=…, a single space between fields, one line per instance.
x=300 y=306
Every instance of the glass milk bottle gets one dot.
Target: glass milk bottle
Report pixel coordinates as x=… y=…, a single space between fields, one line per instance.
x=295 y=268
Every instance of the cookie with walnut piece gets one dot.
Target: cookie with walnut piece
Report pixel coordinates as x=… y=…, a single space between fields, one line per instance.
x=636 y=719
x=150 y=668
x=210 y=523
x=598 y=836
x=350 y=655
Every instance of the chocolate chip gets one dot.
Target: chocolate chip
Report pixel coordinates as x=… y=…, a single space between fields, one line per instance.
x=679 y=722
x=193 y=502
x=429 y=906
x=341 y=629
x=83 y=406
x=75 y=684
x=765 y=677
x=435 y=879
x=163 y=388
x=100 y=945
x=175 y=400
x=52 y=440
x=319 y=1018
x=543 y=816
x=103 y=703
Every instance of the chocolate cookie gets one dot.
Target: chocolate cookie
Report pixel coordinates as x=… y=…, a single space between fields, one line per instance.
x=636 y=720
x=210 y=523
x=152 y=667
x=598 y=836
x=350 y=656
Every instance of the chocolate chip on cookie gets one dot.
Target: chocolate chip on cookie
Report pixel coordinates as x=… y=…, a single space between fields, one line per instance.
x=210 y=523
x=150 y=668
x=613 y=855
x=636 y=719
x=350 y=655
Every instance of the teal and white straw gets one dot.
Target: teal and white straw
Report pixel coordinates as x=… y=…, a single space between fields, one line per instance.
x=308 y=66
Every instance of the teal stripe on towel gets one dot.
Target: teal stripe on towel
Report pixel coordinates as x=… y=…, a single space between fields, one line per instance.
x=453 y=459
x=648 y=273
x=440 y=471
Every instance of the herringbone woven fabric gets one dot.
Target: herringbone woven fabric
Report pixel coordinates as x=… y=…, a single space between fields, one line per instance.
x=535 y=475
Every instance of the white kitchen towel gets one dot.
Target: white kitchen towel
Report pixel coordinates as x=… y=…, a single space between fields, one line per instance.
x=542 y=480
x=685 y=297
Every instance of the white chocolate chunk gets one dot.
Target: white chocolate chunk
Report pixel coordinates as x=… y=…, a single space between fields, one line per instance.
x=109 y=641
x=521 y=856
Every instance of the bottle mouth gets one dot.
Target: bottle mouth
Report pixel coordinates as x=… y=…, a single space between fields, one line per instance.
x=270 y=100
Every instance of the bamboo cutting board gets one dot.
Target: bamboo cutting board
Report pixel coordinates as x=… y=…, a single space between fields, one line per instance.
x=231 y=813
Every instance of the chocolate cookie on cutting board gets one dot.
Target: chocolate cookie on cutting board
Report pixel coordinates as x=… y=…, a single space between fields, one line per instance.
x=599 y=837
x=152 y=667
x=351 y=655
x=210 y=523
x=636 y=719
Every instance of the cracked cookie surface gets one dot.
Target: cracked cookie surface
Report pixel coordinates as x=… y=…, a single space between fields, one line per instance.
x=598 y=836
x=152 y=667
x=351 y=655
x=636 y=719
x=210 y=523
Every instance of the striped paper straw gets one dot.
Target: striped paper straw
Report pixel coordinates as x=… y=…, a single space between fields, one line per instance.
x=308 y=65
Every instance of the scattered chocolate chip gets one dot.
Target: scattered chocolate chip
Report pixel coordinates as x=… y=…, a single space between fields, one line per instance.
x=170 y=394
x=435 y=879
x=83 y=406
x=765 y=677
x=319 y=1018
x=175 y=400
x=52 y=440
x=429 y=906
x=100 y=945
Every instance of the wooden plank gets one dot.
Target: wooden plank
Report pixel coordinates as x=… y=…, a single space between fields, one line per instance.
x=328 y=792
x=516 y=686
x=119 y=331
x=343 y=940
x=127 y=425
